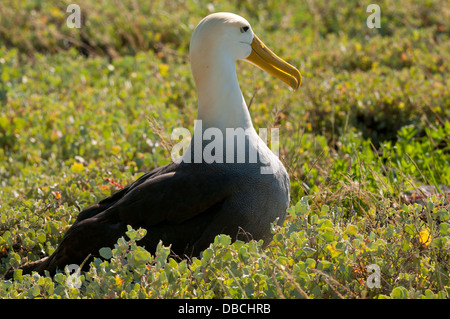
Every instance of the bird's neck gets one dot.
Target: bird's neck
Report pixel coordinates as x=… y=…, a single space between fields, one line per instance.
x=220 y=101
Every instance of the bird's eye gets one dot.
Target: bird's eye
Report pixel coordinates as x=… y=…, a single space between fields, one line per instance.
x=244 y=29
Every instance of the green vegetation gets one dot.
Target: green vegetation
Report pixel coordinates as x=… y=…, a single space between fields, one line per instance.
x=368 y=126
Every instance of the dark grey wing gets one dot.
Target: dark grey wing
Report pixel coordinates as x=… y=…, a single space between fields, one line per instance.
x=176 y=204
x=114 y=198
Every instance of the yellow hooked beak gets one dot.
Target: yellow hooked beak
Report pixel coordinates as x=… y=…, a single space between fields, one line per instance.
x=265 y=59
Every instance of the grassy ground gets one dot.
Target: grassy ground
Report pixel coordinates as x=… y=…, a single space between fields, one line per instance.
x=369 y=125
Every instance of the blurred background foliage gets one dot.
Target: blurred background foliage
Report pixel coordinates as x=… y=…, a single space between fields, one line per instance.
x=376 y=80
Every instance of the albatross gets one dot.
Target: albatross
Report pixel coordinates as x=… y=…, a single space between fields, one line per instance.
x=187 y=203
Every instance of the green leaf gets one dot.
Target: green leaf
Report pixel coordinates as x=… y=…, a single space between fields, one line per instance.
x=310 y=263
x=141 y=232
x=106 y=252
x=351 y=230
x=139 y=256
x=41 y=236
x=317 y=292
x=131 y=233
x=243 y=254
x=18 y=275
x=59 y=277
x=326 y=223
x=325 y=265
x=35 y=290
x=410 y=229
x=302 y=206
x=444 y=215
x=399 y=293
x=429 y=294
x=309 y=251
x=223 y=240
x=324 y=210
x=444 y=229
x=405 y=245
x=328 y=235
x=206 y=256
x=161 y=254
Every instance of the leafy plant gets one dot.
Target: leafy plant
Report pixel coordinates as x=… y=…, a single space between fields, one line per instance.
x=365 y=141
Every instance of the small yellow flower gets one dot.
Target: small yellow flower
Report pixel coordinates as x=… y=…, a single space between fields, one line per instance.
x=424 y=237
x=163 y=69
x=118 y=280
x=104 y=187
x=77 y=167
x=115 y=149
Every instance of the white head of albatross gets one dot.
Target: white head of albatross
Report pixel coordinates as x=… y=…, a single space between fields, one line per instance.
x=217 y=43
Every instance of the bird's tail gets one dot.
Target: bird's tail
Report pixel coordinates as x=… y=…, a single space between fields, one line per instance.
x=38 y=266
